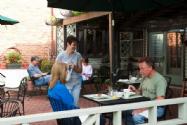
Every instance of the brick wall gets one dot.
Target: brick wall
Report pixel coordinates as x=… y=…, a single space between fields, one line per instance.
x=31 y=36
x=28 y=50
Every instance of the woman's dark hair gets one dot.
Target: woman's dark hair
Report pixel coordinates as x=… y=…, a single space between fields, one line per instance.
x=33 y=58
x=149 y=61
x=86 y=60
x=70 y=39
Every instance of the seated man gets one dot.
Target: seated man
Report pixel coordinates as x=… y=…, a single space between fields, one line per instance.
x=152 y=86
x=36 y=74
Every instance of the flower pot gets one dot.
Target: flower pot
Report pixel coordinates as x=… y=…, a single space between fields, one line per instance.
x=14 y=66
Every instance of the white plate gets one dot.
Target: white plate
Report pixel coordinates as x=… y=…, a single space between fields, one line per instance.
x=100 y=96
x=123 y=80
x=97 y=96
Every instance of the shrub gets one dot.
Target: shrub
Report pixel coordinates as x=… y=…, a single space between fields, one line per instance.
x=46 y=65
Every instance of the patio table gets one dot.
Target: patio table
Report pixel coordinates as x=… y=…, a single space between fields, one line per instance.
x=108 y=100
x=104 y=100
x=13 y=77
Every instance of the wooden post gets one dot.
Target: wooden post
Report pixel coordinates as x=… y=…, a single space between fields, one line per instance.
x=111 y=46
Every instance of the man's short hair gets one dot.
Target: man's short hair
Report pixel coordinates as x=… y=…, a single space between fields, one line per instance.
x=149 y=61
x=35 y=58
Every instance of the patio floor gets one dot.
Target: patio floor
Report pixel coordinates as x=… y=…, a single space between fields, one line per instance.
x=40 y=104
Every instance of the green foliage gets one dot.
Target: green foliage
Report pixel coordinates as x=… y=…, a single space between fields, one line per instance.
x=13 y=57
x=76 y=13
x=46 y=65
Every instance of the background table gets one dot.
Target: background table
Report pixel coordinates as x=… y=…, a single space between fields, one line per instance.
x=13 y=77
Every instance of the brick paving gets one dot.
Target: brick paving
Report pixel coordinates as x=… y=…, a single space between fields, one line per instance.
x=40 y=104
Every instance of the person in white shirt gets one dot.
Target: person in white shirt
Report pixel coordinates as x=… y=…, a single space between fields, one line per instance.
x=87 y=69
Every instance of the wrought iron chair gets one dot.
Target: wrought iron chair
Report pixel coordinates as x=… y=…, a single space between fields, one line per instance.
x=58 y=105
x=184 y=88
x=20 y=97
x=8 y=108
x=39 y=87
x=21 y=93
x=3 y=94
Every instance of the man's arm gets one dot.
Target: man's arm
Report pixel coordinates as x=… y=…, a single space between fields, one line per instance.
x=78 y=67
x=160 y=97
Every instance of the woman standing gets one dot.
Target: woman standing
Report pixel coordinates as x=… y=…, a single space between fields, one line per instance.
x=73 y=60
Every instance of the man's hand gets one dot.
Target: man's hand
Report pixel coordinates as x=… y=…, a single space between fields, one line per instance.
x=132 y=88
x=137 y=111
x=40 y=75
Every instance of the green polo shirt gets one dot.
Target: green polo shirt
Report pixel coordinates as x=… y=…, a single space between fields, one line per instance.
x=153 y=86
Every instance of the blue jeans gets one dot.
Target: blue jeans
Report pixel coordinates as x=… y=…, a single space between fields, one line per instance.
x=139 y=119
x=44 y=80
x=74 y=87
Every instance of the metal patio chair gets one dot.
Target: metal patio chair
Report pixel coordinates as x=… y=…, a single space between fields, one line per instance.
x=8 y=108
x=20 y=96
x=184 y=88
x=39 y=87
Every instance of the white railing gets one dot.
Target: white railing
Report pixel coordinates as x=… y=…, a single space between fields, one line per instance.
x=94 y=113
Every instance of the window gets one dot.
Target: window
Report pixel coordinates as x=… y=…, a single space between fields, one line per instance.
x=174 y=52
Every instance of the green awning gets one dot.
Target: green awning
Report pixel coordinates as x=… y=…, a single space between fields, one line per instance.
x=111 y=5
x=7 y=21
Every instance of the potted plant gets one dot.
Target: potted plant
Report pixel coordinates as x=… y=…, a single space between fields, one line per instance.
x=13 y=59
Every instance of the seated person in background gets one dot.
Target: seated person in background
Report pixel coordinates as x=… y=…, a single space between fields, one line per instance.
x=35 y=73
x=87 y=69
x=152 y=86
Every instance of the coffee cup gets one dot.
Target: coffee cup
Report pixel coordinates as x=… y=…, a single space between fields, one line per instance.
x=126 y=90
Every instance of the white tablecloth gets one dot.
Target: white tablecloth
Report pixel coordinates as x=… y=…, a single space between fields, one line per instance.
x=13 y=77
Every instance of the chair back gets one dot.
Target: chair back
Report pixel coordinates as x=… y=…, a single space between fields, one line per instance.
x=22 y=89
x=2 y=93
x=184 y=88
x=31 y=78
x=58 y=105
x=168 y=95
x=168 y=90
x=9 y=108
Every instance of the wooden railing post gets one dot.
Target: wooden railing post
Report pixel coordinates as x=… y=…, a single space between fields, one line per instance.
x=152 y=115
x=117 y=119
